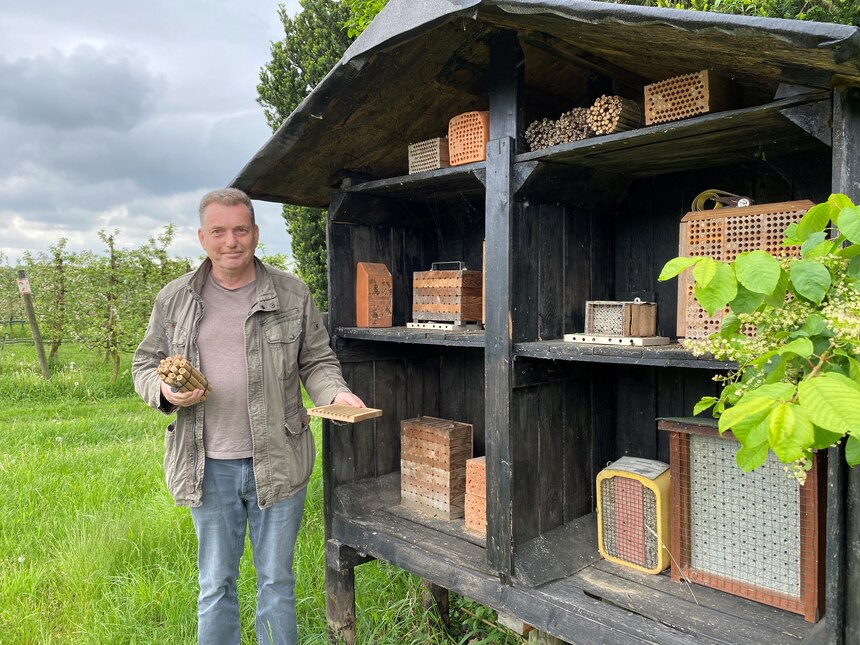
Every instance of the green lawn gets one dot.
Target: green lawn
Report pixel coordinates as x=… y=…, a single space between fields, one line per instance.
x=92 y=549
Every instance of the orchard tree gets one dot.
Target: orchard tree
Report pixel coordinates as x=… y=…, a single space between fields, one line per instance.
x=314 y=40
x=11 y=306
x=49 y=278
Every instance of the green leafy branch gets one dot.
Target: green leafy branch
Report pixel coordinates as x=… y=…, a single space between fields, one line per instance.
x=792 y=324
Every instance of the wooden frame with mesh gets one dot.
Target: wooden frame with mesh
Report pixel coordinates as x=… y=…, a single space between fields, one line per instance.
x=756 y=535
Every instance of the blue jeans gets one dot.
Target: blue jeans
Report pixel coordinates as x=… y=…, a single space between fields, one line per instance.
x=229 y=504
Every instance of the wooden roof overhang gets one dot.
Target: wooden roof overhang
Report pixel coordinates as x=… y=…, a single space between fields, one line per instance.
x=419 y=64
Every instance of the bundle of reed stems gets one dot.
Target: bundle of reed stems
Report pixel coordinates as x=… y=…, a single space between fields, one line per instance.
x=182 y=376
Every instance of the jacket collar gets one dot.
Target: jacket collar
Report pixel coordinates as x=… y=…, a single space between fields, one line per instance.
x=267 y=297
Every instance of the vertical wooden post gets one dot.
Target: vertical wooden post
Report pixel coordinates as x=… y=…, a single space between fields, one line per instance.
x=436 y=598
x=340 y=604
x=842 y=604
x=506 y=72
x=24 y=290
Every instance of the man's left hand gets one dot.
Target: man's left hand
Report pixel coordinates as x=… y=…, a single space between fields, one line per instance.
x=350 y=399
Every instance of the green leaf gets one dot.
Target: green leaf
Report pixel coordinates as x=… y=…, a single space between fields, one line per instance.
x=824 y=438
x=810 y=279
x=840 y=201
x=832 y=402
x=849 y=223
x=814 y=220
x=791 y=235
x=758 y=271
x=704 y=403
x=704 y=271
x=815 y=245
x=746 y=301
x=777 y=299
x=815 y=325
x=756 y=436
x=722 y=289
x=749 y=459
x=675 y=266
x=801 y=346
x=749 y=412
x=776 y=391
x=789 y=435
x=852 y=451
x=730 y=325
x=850 y=251
x=854 y=267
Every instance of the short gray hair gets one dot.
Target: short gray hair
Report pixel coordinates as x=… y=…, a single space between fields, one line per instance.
x=226 y=197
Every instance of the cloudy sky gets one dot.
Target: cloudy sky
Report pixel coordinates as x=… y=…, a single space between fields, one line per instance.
x=120 y=115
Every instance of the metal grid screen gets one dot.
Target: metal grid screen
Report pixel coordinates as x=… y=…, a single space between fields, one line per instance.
x=744 y=527
x=629 y=517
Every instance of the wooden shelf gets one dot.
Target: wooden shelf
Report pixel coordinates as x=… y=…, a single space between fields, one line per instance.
x=672 y=355
x=467 y=338
x=717 y=139
x=459 y=181
x=600 y=601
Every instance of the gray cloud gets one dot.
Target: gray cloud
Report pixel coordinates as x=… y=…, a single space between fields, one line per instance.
x=88 y=87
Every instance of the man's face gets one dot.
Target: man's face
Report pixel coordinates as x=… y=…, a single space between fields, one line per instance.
x=228 y=237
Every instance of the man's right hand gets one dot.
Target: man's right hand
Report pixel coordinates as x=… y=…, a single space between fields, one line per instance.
x=181 y=399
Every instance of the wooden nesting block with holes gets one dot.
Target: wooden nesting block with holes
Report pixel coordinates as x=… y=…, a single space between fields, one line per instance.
x=373 y=295
x=723 y=234
x=433 y=454
x=468 y=134
x=620 y=318
x=476 y=495
x=681 y=97
x=428 y=155
x=447 y=296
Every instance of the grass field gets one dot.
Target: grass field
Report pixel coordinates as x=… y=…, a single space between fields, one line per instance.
x=92 y=549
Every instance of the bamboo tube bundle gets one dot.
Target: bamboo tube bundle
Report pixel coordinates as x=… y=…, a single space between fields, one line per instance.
x=182 y=376
x=572 y=125
x=613 y=114
x=542 y=134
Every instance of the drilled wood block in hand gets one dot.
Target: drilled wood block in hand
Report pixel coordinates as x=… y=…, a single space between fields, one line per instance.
x=182 y=376
x=344 y=413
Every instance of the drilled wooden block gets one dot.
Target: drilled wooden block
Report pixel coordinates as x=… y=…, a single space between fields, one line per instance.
x=620 y=318
x=475 y=513
x=428 y=155
x=468 y=134
x=433 y=454
x=373 y=295
x=723 y=234
x=447 y=296
x=681 y=97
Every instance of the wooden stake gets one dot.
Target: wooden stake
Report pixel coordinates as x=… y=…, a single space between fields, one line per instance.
x=24 y=290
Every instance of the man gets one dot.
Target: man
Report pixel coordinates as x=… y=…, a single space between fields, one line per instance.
x=244 y=456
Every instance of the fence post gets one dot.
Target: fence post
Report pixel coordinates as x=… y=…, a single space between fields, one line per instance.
x=24 y=290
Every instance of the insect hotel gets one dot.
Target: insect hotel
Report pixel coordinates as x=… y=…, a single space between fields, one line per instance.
x=578 y=196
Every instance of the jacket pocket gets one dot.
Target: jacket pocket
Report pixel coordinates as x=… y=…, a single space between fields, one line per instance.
x=178 y=341
x=282 y=335
x=301 y=452
x=173 y=466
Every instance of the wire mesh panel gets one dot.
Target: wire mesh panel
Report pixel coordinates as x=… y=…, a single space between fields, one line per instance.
x=723 y=234
x=752 y=534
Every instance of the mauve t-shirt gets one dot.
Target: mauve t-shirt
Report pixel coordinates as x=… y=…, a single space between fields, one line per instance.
x=221 y=341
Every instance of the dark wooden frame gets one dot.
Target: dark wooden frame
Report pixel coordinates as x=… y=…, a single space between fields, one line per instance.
x=812 y=511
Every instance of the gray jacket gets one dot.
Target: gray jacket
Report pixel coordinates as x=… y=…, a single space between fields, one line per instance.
x=284 y=341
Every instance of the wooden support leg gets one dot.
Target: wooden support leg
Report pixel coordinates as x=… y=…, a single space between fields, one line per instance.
x=537 y=637
x=340 y=605
x=340 y=563
x=436 y=597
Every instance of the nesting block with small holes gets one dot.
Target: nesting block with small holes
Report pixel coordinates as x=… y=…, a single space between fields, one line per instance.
x=476 y=495
x=620 y=318
x=373 y=295
x=681 y=97
x=433 y=454
x=428 y=155
x=468 y=134
x=723 y=234
x=447 y=295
